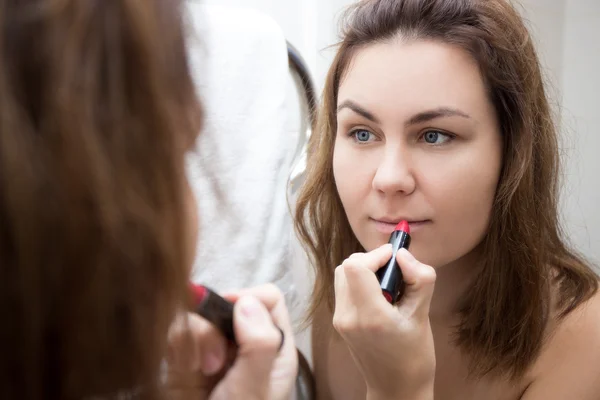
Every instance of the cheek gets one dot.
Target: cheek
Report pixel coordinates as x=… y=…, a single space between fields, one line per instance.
x=462 y=195
x=342 y=172
x=353 y=177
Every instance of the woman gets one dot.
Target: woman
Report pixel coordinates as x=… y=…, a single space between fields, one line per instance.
x=434 y=111
x=97 y=112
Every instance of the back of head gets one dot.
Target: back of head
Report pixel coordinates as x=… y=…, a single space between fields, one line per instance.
x=523 y=246
x=97 y=110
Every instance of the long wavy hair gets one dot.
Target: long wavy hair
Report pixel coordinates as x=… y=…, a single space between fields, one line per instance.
x=97 y=111
x=505 y=312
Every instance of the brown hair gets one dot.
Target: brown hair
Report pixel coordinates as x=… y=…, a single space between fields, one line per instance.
x=504 y=314
x=97 y=110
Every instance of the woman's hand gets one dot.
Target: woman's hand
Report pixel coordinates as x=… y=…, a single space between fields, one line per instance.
x=391 y=345
x=202 y=365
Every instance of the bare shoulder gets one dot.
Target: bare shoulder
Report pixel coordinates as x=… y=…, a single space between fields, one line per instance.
x=568 y=365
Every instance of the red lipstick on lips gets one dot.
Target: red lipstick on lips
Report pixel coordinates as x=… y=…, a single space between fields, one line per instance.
x=390 y=275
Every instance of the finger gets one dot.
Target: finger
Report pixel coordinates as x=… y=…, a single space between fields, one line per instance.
x=258 y=340
x=355 y=278
x=344 y=311
x=362 y=286
x=372 y=260
x=359 y=275
x=196 y=352
x=359 y=299
x=274 y=301
x=419 y=282
x=285 y=367
x=268 y=294
x=195 y=343
x=340 y=290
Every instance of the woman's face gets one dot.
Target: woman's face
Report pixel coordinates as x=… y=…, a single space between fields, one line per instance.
x=417 y=139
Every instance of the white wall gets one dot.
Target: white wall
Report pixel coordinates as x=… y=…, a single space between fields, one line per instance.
x=568 y=33
x=580 y=78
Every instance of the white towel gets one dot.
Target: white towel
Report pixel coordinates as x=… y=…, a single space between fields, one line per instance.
x=246 y=150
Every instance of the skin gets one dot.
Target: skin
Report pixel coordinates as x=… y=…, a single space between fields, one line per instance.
x=202 y=365
x=200 y=362
x=421 y=142
x=401 y=175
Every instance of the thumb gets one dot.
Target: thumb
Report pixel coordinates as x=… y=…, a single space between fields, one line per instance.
x=258 y=344
x=419 y=282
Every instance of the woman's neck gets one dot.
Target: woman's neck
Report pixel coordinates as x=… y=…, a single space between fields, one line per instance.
x=452 y=281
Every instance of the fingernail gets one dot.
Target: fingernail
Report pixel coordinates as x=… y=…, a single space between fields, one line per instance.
x=211 y=364
x=251 y=309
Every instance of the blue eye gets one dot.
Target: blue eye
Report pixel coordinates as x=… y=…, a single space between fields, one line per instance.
x=436 y=137
x=361 y=135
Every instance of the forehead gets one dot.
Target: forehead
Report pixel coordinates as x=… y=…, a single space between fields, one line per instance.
x=413 y=75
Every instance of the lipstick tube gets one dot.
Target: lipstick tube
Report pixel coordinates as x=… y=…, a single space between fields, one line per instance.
x=218 y=311
x=214 y=309
x=390 y=275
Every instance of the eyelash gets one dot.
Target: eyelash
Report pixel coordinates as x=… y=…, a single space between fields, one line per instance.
x=352 y=134
x=450 y=136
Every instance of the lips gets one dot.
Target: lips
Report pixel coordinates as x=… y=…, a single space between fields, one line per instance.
x=387 y=225
x=395 y=221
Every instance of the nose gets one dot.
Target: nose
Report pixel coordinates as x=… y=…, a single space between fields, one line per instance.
x=394 y=174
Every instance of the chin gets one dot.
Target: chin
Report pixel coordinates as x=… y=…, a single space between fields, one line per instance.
x=372 y=245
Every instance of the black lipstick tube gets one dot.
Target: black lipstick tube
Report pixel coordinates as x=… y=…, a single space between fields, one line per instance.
x=390 y=275
x=218 y=311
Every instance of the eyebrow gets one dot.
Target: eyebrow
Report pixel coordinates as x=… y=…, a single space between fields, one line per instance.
x=349 y=104
x=419 y=118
